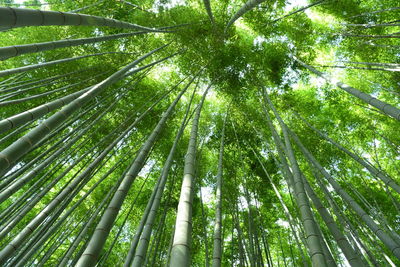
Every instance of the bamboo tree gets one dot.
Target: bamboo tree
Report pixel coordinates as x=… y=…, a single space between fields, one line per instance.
x=370 y=36
x=90 y=255
x=371 y=63
x=49 y=63
x=170 y=246
x=41 y=216
x=217 y=248
x=346 y=248
x=64 y=88
x=352 y=236
x=137 y=256
x=204 y=226
x=24 y=234
x=209 y=11
x=373 y=170
x=299 y=10
x=161 y=226
x=24 y=90
x=17 y=50
x=251 y=247
x=16 y=86
x=180 y=253
x=37 y=112
x=23 y=180
x=61 y=220
x=13 y=80
x=249 y=5
x=243 y=246
x=374 y=12
x=46 y=141
x=21 y=17
x=376 y=229
x=104 y=257
x=312 y=236
x=24 y=127
x=31 y=193
x=285 y=209
x=382 y=106
x=21 y=146
x=85 y=229
x=392 y=69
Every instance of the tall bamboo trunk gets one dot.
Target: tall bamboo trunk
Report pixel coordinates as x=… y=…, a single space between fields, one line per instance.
x=285 y=209
x=249 y=5
x=17 y=50
x=180 y=253
x=209 y=11
x=50 y=63
x=103 y=228
x=376 y=229
x=299 y=10
x=382 y=106
x=312 y=235
x=217 y=248
x=15 y=151
x=138 y=255
x=21 y=17
x=373 y=170
x=11 y=248
x=341 y=240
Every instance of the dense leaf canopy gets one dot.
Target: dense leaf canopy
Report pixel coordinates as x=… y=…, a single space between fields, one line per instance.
x=303 y=94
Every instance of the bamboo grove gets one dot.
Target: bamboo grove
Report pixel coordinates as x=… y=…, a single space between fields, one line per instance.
x=199 y=133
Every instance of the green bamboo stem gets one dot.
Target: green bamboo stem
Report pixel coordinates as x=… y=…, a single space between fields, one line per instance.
x=50 y=63
x=96 y=243
x=376 y=229
x=15 y=151
x=180 y=253
x=137 y=256
x=10 y=249
x=382 y=106
x=17 y=50
x=310 y=227
x=249 y=5
x=21 y=17
x=25 y=179
x=388 y=181
x=217 y=247
x=20 y=100
x=209 y=11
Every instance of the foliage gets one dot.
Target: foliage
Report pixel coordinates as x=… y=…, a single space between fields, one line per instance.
x=254 y=53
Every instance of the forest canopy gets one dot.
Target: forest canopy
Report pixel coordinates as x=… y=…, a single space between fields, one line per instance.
x=199 y=132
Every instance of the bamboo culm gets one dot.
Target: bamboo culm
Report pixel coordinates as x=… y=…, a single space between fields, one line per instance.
x=180 y=253
x=138 y=255
x=382 y=106
x=312 y=236
x=17 y=50
x=217 y=247
x=96 y=243
x=373 y=170
x=21 y=17
x=384 y=237
x=20 y=100
x=22 y=145
x=249 y=5
x=22 y=181
x=341 y=240
x=50 y=63
x=24 y=234
x=209 y=11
